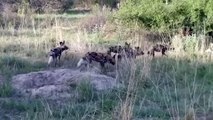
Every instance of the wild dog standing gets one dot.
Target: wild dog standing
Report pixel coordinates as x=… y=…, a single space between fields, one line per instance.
x=187 y=31
x=115 y=49
x=132 y=53
x=158 y=48
x=138 y=51
x=126 y=50
x=102 y=58
x=55 y=53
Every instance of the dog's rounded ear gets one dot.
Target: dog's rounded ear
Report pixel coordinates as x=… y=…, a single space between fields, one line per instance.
x=137 y=48
x=66 y=47
x=148 y=52
x=62 y=42
x=142 y=52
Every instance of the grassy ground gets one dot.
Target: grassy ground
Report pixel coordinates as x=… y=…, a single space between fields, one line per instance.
x=160 y=88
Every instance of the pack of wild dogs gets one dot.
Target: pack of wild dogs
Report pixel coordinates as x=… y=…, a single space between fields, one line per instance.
x=111 y=56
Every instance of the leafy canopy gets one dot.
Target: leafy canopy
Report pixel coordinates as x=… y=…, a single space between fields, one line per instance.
x=161 y=16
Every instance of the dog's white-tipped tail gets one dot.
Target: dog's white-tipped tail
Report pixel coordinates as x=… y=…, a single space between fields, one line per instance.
x=80 y=62
x=50 y=60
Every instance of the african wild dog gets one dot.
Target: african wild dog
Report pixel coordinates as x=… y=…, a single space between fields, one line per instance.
x=122 y=51
x=129 y=52
x=137 y=52
x=187 y=31
x=125 y=50
x=55 y=53
x=159 y=48
x=115 y=49
x=102 y=58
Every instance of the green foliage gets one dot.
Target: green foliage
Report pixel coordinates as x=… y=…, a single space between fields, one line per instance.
x=156 y=15
x=189 y=44
x=151 y=111
x=21 y=106
x=85 y=91
x=5 y=90
x=108 y=100
x=10 y=66
x=108 y=105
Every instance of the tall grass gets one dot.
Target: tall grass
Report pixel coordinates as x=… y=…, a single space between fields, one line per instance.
x=173 y=87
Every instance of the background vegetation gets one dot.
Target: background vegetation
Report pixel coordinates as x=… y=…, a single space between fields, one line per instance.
x=174 y=87
x=160 y=16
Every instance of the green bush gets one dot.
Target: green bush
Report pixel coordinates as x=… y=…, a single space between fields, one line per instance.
x=189 y=44
x=159 y=16
x=5 y=90
x=85 y=91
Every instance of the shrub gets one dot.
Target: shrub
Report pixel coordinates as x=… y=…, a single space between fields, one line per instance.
x=85 y=91
x=158 y=16
x=5 y=90
x=189 y=44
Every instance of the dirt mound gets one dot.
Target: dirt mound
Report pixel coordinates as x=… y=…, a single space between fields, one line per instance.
x=58 y=84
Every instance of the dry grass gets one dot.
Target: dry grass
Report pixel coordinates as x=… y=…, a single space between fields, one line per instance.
x=174 y=87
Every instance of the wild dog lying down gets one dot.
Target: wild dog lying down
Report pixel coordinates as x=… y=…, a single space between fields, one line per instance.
x=55 y=53
x=102 y=58
x=159 y=48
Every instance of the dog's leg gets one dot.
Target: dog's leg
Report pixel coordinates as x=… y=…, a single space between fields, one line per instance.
x=134 y=54
x=80 y=62
x=102 y=64
x=90 y=63
x=153 y=53
x=50 y=61
x=59 y=58
x=164 y=53
x=55 y=61
x=103 y=67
